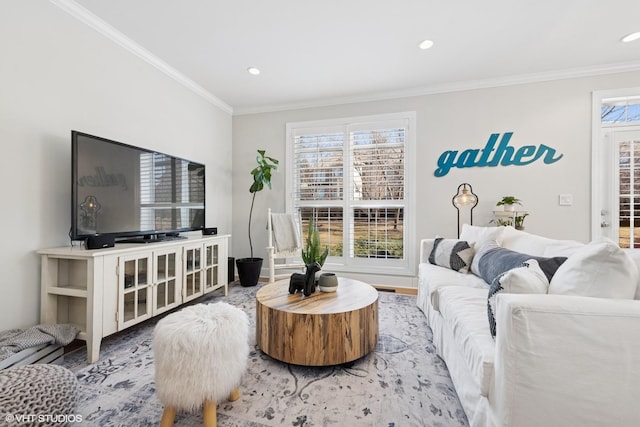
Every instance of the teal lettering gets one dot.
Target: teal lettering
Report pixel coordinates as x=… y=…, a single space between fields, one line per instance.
x=488 y=148
x=548 y=159
x=503 y=152
x=524 y=151
x=445 y=163
x=467 y=159
x=504 y=155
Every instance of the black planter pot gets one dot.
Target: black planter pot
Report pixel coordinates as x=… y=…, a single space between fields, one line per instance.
x=249 y=270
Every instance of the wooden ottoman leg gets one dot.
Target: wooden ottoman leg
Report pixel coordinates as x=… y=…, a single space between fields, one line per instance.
x=168 y=415
x=234 y=395
x=210 y=416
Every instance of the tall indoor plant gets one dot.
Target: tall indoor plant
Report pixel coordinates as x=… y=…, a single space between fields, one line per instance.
x=249 y=268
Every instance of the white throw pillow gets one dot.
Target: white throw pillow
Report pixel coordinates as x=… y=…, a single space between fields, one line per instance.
x=481 y=235
x=528 y=279
x=600 y=269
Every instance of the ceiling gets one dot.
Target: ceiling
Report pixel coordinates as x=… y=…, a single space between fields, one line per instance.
x=336 y=51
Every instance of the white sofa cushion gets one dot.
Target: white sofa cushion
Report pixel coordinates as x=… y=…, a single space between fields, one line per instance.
x=521 y=241
x=600 y=269
x=464 y=313
x=434 y=277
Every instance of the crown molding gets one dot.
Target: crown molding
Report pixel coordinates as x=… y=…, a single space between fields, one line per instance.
x=88 y=18
x=85 y=16
x=449 y=88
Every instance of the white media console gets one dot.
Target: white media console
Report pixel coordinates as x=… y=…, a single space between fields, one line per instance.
x=104 y=291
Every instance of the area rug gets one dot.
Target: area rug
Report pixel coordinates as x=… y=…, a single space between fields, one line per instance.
x=401 y=383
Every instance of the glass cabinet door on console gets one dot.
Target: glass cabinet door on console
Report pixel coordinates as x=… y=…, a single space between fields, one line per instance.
x=211 y=267
x=134 y=285
x=166 y=281
x=192 y=272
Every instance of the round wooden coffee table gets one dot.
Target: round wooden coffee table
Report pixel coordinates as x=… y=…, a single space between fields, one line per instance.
x=325 y=328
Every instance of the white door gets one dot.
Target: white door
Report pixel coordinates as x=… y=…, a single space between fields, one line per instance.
x=619 y=185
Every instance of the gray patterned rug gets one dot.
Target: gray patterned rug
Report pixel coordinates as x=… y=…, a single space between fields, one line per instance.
x=401 y=383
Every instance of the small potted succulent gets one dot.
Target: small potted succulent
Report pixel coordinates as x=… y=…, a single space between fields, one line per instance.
x=313 y=256
x=508 y=203
x=313 y=252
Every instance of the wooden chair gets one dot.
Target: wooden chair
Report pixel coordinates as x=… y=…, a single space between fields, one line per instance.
x=285 y=244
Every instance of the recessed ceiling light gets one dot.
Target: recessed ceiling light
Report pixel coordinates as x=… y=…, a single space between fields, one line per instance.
x=425 y=44
x=630 y=37
x=253 y=71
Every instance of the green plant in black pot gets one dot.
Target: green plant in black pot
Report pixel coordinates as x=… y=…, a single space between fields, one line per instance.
x=249 y=268
x=312 y=252
x=313 y=257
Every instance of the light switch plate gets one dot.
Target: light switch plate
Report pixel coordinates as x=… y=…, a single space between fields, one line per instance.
x=565 y=199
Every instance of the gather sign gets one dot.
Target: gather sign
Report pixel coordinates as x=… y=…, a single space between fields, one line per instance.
x=492 y=156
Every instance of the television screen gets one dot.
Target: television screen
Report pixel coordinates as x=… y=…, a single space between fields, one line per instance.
x=122 y=190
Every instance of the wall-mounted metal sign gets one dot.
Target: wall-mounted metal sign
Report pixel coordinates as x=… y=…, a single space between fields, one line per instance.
x=492 y=156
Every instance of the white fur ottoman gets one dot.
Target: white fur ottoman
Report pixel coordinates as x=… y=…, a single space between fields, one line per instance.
x=200 y=356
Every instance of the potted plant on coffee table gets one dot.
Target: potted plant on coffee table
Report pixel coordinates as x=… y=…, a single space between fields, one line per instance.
x=249 y=268
x=313 y=255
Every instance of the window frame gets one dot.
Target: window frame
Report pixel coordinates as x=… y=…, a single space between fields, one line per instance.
x=399 y=267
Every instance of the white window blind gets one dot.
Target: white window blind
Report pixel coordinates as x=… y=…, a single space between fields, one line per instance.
x=319 y=171
x=350 y=175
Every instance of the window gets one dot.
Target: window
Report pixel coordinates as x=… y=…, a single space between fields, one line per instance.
x=624 y=110
x=354 y=177
x=616 y=166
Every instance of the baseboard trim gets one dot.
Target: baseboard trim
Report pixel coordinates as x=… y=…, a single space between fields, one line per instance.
x=404 y=291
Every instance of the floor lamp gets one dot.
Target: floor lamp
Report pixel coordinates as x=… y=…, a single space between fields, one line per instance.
x=464 y=198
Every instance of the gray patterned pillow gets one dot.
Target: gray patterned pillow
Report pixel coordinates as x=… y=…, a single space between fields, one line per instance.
x=451 y=253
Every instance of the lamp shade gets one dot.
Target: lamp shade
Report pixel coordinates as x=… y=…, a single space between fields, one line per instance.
x=464 y=197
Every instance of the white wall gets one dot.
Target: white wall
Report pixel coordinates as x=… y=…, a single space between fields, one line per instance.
x=57 y=74
x=557 y=114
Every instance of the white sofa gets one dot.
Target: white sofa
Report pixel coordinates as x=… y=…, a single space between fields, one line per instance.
x=557 y=360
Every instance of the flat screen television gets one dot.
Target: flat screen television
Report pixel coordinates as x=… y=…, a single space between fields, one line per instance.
x=131 y=193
